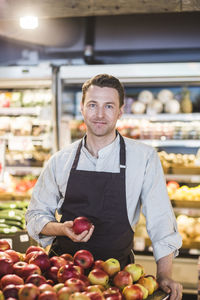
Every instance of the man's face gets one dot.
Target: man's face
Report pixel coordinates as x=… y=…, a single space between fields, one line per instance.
x=101 y=110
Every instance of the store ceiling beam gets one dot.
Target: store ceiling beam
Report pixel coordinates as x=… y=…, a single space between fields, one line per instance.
x=12 y=9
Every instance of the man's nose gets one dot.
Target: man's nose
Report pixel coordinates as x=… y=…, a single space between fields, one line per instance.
x=100 y=112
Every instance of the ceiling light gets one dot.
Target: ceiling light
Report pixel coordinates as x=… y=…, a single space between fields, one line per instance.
x=29 y=22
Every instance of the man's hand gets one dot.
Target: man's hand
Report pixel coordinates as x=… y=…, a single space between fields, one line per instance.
x=82 y=237
x=170 y=287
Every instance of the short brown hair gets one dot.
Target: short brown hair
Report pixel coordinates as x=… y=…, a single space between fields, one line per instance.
x=104 y=80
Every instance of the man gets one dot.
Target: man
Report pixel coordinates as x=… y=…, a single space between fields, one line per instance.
x=106 y=178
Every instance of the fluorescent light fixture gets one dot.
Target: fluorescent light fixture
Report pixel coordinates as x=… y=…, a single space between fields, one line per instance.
x=29 y=22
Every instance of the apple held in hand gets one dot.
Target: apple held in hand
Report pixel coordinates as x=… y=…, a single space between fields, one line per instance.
x=111 y=266
x=132 y=292
x=122 y=279
x=84 y=259
x=81 y=224
x=98 y=276
x=136 y=271
x=28 y=292
x=4 y=245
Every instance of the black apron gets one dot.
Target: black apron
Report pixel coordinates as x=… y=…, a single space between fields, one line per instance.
x=100 y=196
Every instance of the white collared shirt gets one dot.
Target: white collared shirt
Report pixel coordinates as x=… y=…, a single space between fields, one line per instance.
x=145 y=185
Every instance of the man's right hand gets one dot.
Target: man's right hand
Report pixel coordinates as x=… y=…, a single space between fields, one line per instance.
x=65 y=229
x=82 y=237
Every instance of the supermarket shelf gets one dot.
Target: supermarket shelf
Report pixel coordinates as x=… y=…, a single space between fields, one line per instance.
x=14 y=196
x=186 y=203
x=22 y=170
x=183 y=178
x=164 y=117
x=172 y=143
x=16 y=111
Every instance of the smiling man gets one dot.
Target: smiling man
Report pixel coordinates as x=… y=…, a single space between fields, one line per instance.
x=107 y=178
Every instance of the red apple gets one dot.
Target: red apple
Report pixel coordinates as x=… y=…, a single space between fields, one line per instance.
x=95 y=296
x=75 y=284
x=45 y=287
x=64 y=293
x=47 y=295
x=67 y=257
x=84 y=279
x=84 y=259
x=111 y=266
x=79 y=269
x=14 y=255
x=94 y=288
x=50 y=282
x=66 y=272
x=28 y=292
x=112 y=292
x=4 y=245
x=11 y=290
x=132 y=292
x=98 y=264
x=36 y=279
x=34 y=248
x=30 y=269
x=144 y=290
x=6 y=266
x=98 y=276
x=136 y=271
x=57 y=261
x=51 y=273
x=40 y=259
x=11 y=279
x=81 y=224
x=78 y=296
x=122 y=279
x=18 y=268
x=29 y=255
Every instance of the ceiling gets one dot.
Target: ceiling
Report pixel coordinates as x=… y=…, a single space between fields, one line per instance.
x=12 y=9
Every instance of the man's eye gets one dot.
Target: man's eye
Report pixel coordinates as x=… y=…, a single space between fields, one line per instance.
x=92 y=105
x=109 y=106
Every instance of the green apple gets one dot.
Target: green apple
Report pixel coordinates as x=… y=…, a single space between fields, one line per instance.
x=135 y=270
x=98 y=276
x=111 y=266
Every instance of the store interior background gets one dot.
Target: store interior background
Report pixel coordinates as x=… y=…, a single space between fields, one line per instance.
x=102 y=32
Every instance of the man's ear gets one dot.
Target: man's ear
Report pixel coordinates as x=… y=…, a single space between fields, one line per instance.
x=81 y=107
x=121 y=111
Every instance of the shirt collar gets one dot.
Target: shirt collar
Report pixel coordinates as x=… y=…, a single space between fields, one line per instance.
x=105 y=150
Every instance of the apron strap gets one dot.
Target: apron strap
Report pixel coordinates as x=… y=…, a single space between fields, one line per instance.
x=122 y=154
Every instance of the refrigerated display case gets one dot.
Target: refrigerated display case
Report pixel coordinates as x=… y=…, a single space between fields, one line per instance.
x=172 y=129
x=27 y=126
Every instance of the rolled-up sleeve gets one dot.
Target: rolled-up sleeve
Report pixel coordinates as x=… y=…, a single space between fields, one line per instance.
x=156 y=206
x=43 y=205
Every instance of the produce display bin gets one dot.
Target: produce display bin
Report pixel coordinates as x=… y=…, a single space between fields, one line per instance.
x=19 y=241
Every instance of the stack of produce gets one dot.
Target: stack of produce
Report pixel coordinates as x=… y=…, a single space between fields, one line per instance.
x=34 y=275
x=189 y=228
x=12 y=216
x=184 y=192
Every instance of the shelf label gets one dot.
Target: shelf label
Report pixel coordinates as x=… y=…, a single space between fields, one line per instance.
x=20 y=143
x=2 y=158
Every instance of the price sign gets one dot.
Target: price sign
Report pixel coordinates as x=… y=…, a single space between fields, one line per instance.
x=2 y=158
x=20 y=143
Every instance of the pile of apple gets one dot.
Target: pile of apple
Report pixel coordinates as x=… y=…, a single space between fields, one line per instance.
x=34 y=275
